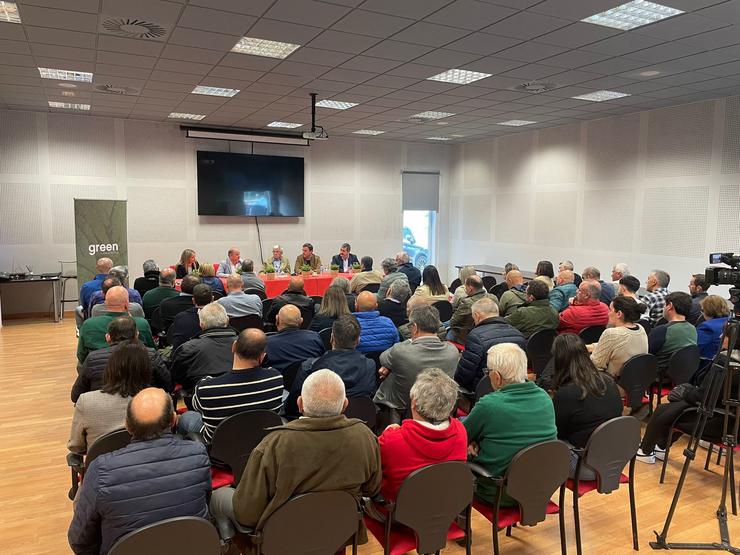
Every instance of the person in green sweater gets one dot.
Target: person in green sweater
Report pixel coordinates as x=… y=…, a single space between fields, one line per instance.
x=515 y=415
x=537 y=313
x=92 y=332
x=166 y=290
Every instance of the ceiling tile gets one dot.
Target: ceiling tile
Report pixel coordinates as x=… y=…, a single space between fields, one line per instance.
x=348 y=75
x=343 y=42
x=392 y=81
x=727 y=12
x=430 y=34
x=65 y=52
x=680 y=27
x=484 y=44
x=574 y=9
x=370 y=23
x=530 y=51
x=15 y=47
x=532 y=71
x=367 y=63
x=181 y=66
x=187 y=53
x=319 y=56
x=576 y=58
x=613 y=65
x=664 y=52
x=216 y=21
x=61 y=63
x=447 y=58
x=493 y=65
x=122 y=71
x=253 y=7
x=174 y=77
x=289 y=67
x=470 y=14
x=526 y=25
x=50 y=36
x=236 y=73
x=307 y=12
x=412 y=9
x=197 y=38
x=59 y=19
x=578 y=34
x=395 y=50
x=246 y=61
x=623 y=44
x=117 y=58
x=159 y=11
x=284 y=31
x=420 y=71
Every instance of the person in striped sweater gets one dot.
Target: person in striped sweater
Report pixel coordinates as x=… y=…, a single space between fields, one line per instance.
x=249 y=386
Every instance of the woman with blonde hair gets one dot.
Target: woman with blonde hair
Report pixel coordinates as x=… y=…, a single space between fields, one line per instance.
x=208 y=276
x=333 y=305
x=187 y=264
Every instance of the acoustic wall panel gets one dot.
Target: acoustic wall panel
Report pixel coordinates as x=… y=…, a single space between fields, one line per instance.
x=380 y=213
x=62 y=202
x=333 y=164
x=558 y=154
x=476 y=217
x=674 y=221
x=512 y=218
x=225 y=228
x=22 y=212
x=555 y=224
x=611 y=148
x=679 y=140
x=515 y=160
x=19 y=151
x=607 y=219
x=81 y=146
x=425 y=157
x=155 y=150
x=731 y=146
x=332 y=216
x=158 y=214
x=372 y=175
x=728 y=220
x=478 y=160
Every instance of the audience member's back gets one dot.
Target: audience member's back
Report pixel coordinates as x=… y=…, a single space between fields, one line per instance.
x=292 y=344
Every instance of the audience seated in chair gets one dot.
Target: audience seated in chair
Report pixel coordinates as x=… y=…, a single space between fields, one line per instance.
x=333 y=306
x=356 y=370
x=208 y=276
x=515 y=415
x=698 y=290
x=490 y=329
x=568 y=265
x=459 y=292
x=295 y=295
x=166 y=290
x=536 y=314
x=150 y=279
x=292 y=344
x=157 y=476
x=169 y=308
x=607 y=292
x=186 y=324
x=657 y=286
x=545 y=273
x=619 y=271
x=462 y=319
x=402 y=363
x=102 y=267
x=563 y=291
x=208 y=353
x=405 y=330
x=516 y=294
x=135 y=309
x=709 y=333
x=390 y=274
x=430 y=437
x=343 y=283
x=406 y=267
x=365 y=276
x=432 y=287
x=324 y=451
x=378 y=332
x=623 y=339
x=93 y=331
x=121 y=330
x=249 y=386
x=585 y=310
x=394 y=304
x=666 y=339
x=250 y=279
x=119 y=273
x=237 y=303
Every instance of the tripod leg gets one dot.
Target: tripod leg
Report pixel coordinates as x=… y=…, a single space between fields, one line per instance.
x=719 y=454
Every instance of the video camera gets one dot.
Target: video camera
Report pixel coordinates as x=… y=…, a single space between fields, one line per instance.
x=725 y=276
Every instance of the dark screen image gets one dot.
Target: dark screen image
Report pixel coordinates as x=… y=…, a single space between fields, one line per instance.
x=249 y=185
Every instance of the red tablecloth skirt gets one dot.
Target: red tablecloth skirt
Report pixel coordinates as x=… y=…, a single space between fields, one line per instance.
x=314 y=285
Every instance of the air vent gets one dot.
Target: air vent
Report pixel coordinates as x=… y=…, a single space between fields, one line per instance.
x=535 y=87
x=115 y=89
x=132 y=28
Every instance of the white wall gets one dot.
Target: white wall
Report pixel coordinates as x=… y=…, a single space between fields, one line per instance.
x=657 y=189
x=353 y=193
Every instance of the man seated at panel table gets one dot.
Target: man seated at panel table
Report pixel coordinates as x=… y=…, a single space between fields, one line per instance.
x=121 y=274
x=102 y=267
x=238 y=303
x=295 y=294
x=166 y=290
x=231 y=264
x=365 y=276
x=94 y=330
x=249 y=278
x=279 y=263
x=307 y=258
x=344 y=259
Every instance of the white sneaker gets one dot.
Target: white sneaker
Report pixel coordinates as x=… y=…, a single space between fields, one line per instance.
x=659 y=453
x=647 y=459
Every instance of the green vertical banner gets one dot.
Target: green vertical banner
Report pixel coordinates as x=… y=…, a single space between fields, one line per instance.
x=100 y=232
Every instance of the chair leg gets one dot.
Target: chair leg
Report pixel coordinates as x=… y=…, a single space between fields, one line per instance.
x=665 y=456
x=577 y=520
x=719 y=455
x=495 y=538
x=731 y=461
x=561 y=521
x=709 y=456
x=468 y=530
x=508 y=531
x=633 y=509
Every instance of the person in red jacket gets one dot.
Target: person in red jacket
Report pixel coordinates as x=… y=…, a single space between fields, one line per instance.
x=431 y=437
x=586 y=309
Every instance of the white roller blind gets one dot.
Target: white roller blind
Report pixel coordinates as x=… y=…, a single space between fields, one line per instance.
x=420 y=190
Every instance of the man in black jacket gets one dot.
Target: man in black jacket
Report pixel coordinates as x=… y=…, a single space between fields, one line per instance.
x=92 y=371
x=186 y=325
x=490 y=329
x=150 y=280
x=394 y=304
x=295 y=295
x=411 y=271
x=169 y=308
x=344 y=259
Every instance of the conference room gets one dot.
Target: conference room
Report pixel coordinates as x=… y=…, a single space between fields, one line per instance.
x=205 y=182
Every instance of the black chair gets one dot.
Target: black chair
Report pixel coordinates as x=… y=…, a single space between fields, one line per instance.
x=375 y=357
x=325 y=336
x=483 y=388
x=364 y=409
x=290 y=373
x=234 y=440
x=307 y=315
x=645 y=325
x=445 y=310
x=317 y=299
x=372 y=287
x=259 y=292
x=184 y=535
x=249 y=321
x=499 y=289
x=488 y=282
x=611 y=446
x=531 y=484
x=539 y=349
x=681 y=367
x=455 y=284
x=104 y=444
x=422 y=517
x=637 y=374
x=591 y=334
x=217 y=295
x=266 y=304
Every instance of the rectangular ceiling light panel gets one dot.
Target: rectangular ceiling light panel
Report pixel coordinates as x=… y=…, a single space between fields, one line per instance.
x=368 y=132
x=9 y=12
x=431 y=115
x=459 y=76
x=68 y=106
x=516 y=122
x=335 y=104
x=215 y=91
x=265 y=48
x=180 y=115
x=65 y=75
x=600 y=96
x=632 y=15
x=284 y=124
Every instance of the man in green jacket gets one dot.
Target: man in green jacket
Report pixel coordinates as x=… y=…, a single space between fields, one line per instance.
x=537 y=313
x=92 y=332
x=166 y=290
x=516 y=415
x=462 y=319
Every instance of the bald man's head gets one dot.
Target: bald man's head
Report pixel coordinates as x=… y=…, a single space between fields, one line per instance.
x=150 y=414
x=414 y=301
x=103 y=265
x=514 y=278
x=289 y=317
x=366 y=302
x=296 y=284
x=116 y=299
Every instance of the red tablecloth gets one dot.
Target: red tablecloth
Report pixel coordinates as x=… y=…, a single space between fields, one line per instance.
x=314 y=286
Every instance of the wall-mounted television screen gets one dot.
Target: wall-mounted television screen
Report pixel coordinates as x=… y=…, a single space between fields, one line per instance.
x=249 y=185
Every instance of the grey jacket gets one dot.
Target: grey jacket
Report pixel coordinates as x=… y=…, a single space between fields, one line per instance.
x=386 y=283
x=251 y=281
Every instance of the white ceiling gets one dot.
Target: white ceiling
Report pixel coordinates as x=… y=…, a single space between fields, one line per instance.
x=377 y=53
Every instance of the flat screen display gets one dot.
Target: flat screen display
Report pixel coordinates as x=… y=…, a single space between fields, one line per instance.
x=249 y=185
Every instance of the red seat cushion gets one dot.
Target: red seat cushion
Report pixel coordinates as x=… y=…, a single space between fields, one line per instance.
x=459 y=413
x=508 y=515
x=626 y=401
x=221 y=477
x=584 y=486
x=664 y=390
x=403 y=539
x=460 y=347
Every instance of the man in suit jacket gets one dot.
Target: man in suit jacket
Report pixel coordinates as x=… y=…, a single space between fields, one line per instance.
x=411 y=271
x=394 y=304
x=186 y=324
x=232 y=263
x=169 y=308
x=344 y=259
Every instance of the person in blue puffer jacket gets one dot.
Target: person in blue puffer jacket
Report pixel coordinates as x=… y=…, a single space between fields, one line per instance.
x=377 y=333
x=709 y=332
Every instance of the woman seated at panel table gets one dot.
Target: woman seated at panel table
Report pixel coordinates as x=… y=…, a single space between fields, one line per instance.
x=187 y=264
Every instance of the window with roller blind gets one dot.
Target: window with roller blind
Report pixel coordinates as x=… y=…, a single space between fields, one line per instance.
x=420 y=191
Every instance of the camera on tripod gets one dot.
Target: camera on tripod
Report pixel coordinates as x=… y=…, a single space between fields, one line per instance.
x=725 y=276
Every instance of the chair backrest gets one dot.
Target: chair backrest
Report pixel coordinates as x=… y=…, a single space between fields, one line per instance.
x=610 y=447
x=682 y=364
x=591 y=334
x=445 y=310
x=325 y=336
x=484 y=387
x=111 y=441
x=429 y=509
x=184 y=535
x=319 y=522
x=317 y=299
x=372 y=287
x=531 y=483
x=375 y=357
x=645 y=325
x=290 y=373
x=236 y=437
x=499 y=289
x=539 y=349
x=488 y=282
x=307 y=315
x=364 y=409
x=217 y=295
x=259 y=292
x=266 y=304
x=249 y=321
x=455 y=284
x=636 y=376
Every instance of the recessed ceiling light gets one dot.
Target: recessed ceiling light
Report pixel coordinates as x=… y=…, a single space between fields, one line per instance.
x=68 y=85
x=516 y=122
x=68 y=106
x=442 y=122
x=649 y=73
x=438 y=138
x=65 y=75
x=284 y=124
x=600 y=96
x=431 y=115
x=215 y=91
x=457 y=136
x=460 y=76
x=9 y=12
x=68 y=93
x=632 y=15
x=368 y=132
x=266 y=48
x=335 y=104
x=180 y=115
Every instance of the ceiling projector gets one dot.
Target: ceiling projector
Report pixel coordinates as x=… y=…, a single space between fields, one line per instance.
x=319 y=134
